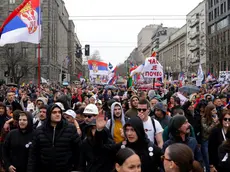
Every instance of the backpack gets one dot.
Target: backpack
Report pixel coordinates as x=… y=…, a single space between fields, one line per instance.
x=154 y=128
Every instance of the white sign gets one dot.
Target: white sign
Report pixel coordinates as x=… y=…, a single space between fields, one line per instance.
x=224 y=76
x=152 y=68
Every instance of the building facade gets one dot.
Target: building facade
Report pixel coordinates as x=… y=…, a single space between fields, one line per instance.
x=196 y=38
x=172 y=53
x=58 y=43
x=218 y=35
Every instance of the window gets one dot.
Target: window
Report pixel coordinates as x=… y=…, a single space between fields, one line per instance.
x=24 y=52
x=211 y=29
x=197 y=28
x=228 y=4
x=221 y=24
x=10 y=51
x=210 y=3
x=221 y=8
x=224 y=7
x=12 y=1
x=215 y=13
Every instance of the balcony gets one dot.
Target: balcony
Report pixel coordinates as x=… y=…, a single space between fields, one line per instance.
x=194 y=47
x=194 y=35
x=193 y=22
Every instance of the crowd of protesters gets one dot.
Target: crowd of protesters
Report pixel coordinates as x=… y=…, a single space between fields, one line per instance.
x=90 y=128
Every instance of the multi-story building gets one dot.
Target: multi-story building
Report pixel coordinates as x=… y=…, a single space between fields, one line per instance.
x=58 y=43
x=158 y=36
x=218 y=35
x=172 y=53
x=144 y=39
x=196 y=38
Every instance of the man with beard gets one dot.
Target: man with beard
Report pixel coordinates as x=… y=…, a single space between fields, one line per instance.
x=132 y=112
x=116 y=123
x=179 y=128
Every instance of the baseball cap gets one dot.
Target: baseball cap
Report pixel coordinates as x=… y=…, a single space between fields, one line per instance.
x=70 y=112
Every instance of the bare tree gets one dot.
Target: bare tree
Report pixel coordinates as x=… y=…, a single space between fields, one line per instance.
x=16 y=62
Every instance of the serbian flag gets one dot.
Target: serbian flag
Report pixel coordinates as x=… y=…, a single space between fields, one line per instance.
x=113 y=77
x=97 y=67
x=23 y=24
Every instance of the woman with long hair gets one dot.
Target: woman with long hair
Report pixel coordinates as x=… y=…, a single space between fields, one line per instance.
x=179 y=157
x=208 y=122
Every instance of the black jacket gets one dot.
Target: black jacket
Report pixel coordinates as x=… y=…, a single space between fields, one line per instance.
x=16 y=147
x=224 y=162
x=149 y=153
x=93 y=158
x=54 y=149
x=215 y=140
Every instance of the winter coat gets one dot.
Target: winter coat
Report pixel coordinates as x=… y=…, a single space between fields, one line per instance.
x=16 y=147
x=93 y=158
x=149 y=153
x=54 y=149
x=190 y=142
x=224 y=157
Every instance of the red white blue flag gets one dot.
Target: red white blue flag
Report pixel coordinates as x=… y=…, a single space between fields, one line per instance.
x=23 y=24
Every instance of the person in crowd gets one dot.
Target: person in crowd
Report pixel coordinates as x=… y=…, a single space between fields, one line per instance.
x=99 y=105
x=219 y=105
x=171 y=103
x=166 y=135
x=127 y=161
x=90 y=112
x=116 y=123
x=11 y=100
x=125 y=105
x=153 y=102
x=55 y=145
x=199 y=113
x=41 y=101
x=160 y=114
x=179 y=157
x=224 y=154
x=136 y=139
x=92 y=157
x=152 y=127
x=41 y=116
x=132 y=112
x=70 y=116
x=216 y=138
x=143 y=95
x=177 y=104
x=179 y=128
x=17 y=143
x=209 y=121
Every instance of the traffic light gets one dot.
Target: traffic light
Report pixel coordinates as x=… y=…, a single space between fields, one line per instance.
x=78 y=52
x=87 y=50
x=63 y=76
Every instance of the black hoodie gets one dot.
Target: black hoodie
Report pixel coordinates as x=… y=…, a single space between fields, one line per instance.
x=16 y=146
x=149 y=154
x=4 y=117
x=54 y=149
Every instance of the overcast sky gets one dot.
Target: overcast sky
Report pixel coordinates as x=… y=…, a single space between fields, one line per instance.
x=115 y=39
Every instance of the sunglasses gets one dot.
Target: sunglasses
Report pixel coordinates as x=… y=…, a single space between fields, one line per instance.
x=227 y=119
x=163 y=158
x=88 y=116
x=139 y=110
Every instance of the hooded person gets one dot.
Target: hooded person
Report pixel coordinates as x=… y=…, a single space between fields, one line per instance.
x=116 y=123
x=132 y=112
x=17 y=144
x=92 y=156
x=137 y=140
x=179 y=128
x=55 y=145
x=160 y=114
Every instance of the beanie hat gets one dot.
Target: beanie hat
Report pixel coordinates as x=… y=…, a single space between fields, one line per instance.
x=176 y=122
x=160 y=106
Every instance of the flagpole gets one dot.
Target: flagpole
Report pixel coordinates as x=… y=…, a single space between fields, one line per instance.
x=39 y=46
x=39 y=65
